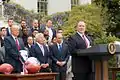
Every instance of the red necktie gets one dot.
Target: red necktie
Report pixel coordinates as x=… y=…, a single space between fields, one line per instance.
x=85 y=40
x=17 y=44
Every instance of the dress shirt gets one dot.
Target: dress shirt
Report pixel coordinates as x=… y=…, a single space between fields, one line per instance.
x=59 y=45
x=50 y=34
x=9 y=30
x=87 y=41
x=41 y=47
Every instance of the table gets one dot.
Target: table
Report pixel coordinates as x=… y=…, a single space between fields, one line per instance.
x=37 y=76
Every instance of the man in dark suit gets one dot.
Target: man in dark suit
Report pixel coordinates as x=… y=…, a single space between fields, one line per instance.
x=35 y=26
x=29 y=43
x=51 y=30
x=81 y=66
x=40 y=51
x=59 y=56
x=10 y=23
x=13 y=45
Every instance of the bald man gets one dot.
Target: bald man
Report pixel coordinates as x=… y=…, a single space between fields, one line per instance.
x=13 y=45
x=60 y=56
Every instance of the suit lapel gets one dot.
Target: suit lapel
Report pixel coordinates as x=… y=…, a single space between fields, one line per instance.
x=56 y=48
x=39 y=49
x=80 y=38
x=13 y=42
x=45 y=50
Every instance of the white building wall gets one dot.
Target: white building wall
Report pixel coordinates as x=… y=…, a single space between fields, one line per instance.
x=27 y=4
x=84 y=2
x=55 y=6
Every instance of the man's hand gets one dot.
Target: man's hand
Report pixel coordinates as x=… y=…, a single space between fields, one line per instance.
x=44 y=65
x=61 y=63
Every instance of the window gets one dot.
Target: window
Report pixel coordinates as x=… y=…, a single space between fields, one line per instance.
x=74 y=2
x=42 y=6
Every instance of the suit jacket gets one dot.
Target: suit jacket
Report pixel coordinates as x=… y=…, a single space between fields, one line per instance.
x=29 y=50
x=54 y=33
x=43 y=27
x=56 y=56
x=12 y=55
x=37 y=53
x=32 y=29
x=2 y=54
x=80 y=64
x=8 y=33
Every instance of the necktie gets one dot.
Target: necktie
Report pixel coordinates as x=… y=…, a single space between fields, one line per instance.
x=17 y=44
x=42 y=49
x=85 y=40
x=60 y=48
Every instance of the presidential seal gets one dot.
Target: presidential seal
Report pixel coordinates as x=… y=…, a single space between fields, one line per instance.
x=111 y=48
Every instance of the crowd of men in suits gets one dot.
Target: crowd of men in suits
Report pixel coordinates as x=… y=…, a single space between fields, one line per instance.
x=49 y=46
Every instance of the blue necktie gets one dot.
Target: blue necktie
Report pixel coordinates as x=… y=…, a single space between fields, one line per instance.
x=60 y=48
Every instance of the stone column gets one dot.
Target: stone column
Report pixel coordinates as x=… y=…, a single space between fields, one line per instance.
x=1 y=8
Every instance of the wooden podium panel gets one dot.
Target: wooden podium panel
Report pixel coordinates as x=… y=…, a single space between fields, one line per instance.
x=37 y=76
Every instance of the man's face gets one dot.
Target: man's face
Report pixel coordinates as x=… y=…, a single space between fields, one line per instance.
x=59 y=38
x=46 y=32
x=81 y=27
x=23 y=24
x=30 y=40
x=15 y=31
x=34 y=32
x=49 y=23
x=41 y=39
x=35 y=24
x=4 y=32
x=60 y=31
x=25 y=31
x=10 y=23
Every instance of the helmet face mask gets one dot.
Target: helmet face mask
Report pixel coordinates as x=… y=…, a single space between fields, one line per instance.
x=33 y=65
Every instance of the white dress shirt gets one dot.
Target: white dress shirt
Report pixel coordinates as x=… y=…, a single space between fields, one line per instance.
x=41 y=47
x=50 y=34
x=88 y=42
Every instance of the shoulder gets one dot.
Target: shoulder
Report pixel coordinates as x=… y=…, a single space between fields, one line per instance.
x=73 y=37
x=34 y=45
x=52 y=46
x=8 y=38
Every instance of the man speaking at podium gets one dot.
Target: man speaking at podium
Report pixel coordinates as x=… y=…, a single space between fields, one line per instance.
x=81 y=65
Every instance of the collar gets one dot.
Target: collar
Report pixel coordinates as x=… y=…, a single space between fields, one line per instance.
x=60 y=43
x=80 y=33
x=14 y=37
x=40 y=45
x=35 y=28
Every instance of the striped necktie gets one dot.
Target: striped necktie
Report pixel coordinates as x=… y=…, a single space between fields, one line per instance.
x=83 y=36
x=17 y=44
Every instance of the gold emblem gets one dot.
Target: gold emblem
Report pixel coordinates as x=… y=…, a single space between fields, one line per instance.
x=111 y=48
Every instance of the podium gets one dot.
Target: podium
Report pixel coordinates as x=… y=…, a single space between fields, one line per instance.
x=99 y=54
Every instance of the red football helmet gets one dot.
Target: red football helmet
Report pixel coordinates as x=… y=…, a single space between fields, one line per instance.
x=6 y=68
x=33 y=68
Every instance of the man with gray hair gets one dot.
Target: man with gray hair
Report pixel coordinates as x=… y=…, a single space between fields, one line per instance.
x=40 y=51
x=13 y=45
